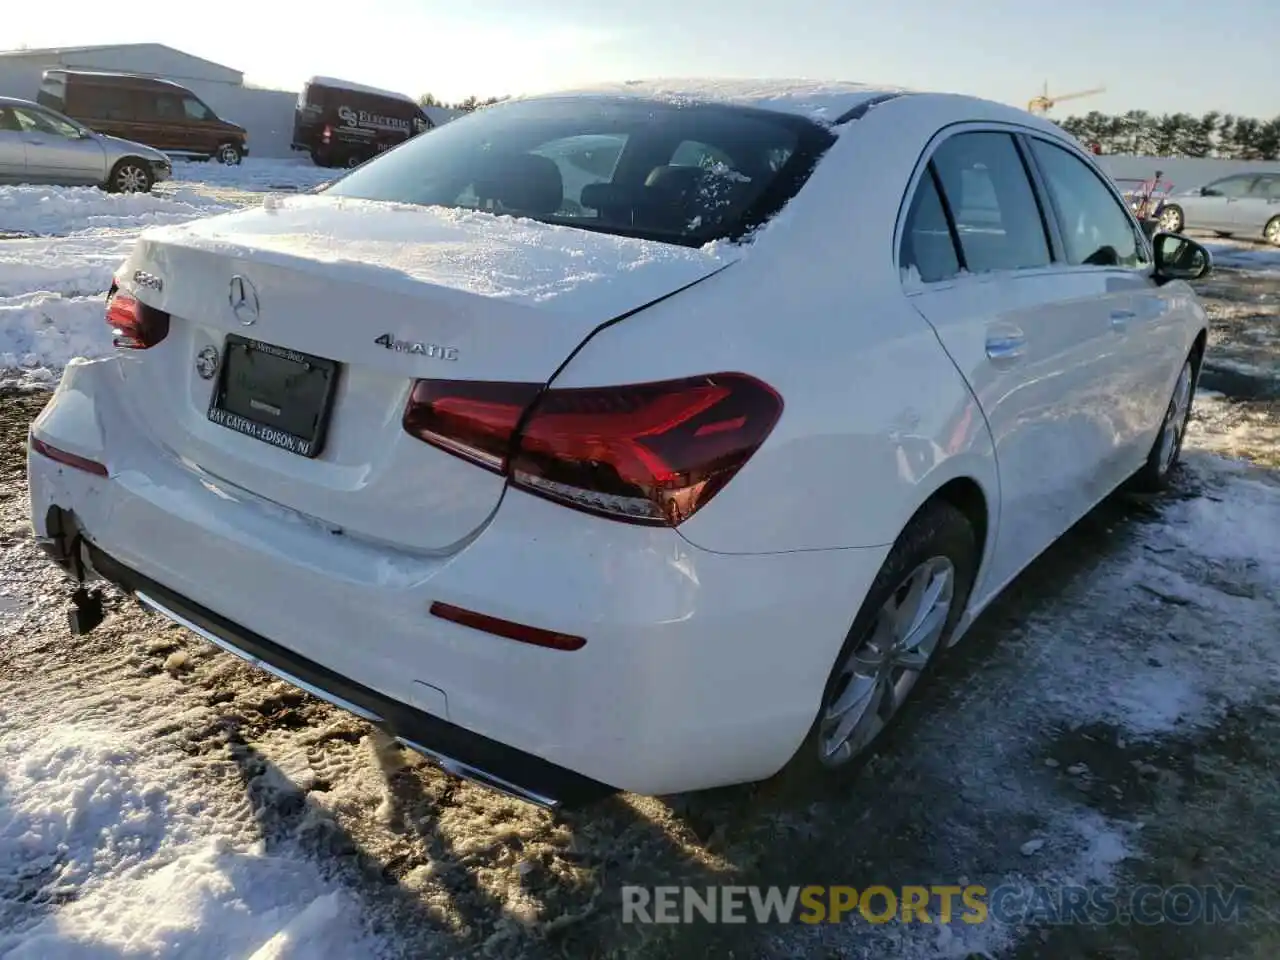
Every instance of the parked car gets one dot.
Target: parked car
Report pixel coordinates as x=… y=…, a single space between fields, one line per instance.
x=1244 y=204
x=160 y=113
x=664 y=488
x=39 y=145
x=343 y=124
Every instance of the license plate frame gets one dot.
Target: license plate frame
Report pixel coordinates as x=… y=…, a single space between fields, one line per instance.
x=290 y=441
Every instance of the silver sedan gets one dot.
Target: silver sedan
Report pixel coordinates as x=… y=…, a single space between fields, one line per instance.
x=1247 y=204
x=39 y=145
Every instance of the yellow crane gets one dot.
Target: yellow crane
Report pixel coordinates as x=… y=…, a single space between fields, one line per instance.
x=1044 y=103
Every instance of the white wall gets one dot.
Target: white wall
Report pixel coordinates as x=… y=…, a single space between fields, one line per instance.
x=266 y=114
x=19 y=78
x=1182 y=172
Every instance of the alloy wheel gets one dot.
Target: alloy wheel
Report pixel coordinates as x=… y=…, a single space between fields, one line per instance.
x=881 y=671
x=132 y=179
x=1175 y=419
x=1171 y=220
x=1272 y=231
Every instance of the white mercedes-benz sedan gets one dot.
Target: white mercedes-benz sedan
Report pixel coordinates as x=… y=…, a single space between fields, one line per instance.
x=647 y=438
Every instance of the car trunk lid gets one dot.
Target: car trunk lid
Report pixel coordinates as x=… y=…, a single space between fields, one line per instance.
x=386 y=294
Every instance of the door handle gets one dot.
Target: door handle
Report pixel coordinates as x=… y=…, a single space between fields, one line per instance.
x=1120 y=318
x=1007 y=347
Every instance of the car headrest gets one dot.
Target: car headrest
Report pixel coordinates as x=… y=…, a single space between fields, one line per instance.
x=525 y=182
x=606 y=196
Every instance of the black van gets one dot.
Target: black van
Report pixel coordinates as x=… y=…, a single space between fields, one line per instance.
x=159 y=113
x=343 y=124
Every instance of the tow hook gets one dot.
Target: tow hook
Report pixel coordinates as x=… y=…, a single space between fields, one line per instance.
x=85 y=612
x=62 y=545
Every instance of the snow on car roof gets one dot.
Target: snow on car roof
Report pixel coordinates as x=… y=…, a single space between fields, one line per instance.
x=817 y=99
x=360 y=88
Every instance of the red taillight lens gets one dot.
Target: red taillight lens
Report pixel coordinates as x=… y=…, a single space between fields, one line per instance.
x=134 y=325
x=327 y=133
x=475 y=420
x=648 y=453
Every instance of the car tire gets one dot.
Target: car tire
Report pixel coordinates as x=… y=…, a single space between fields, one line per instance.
x=1172 y=219
x=131 y=175
x=353 y=160
x=938 y=551
x=229 y=153
x=1162 y=461
x=1271 y=232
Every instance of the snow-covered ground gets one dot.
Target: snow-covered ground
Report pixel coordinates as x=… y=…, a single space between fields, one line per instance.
x=157 y=798
x=66 y=243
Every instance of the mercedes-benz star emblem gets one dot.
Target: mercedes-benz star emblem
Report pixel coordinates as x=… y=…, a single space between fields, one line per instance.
x=207 y=362
x=244 y=301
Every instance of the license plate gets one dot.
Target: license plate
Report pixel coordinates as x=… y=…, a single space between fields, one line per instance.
x=279 y=396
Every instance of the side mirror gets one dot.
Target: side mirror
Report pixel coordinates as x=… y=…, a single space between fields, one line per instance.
x=1180 y=258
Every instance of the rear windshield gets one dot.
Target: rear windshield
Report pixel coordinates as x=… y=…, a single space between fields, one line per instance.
x=684 y=174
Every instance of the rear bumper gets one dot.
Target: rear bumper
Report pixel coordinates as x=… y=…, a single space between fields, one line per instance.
x=457 y=750
x=700 y=669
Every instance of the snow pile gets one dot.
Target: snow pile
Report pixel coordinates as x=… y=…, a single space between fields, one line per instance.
x=60 y=211
x=65 y=243
x=254 y=175
x=127 y=863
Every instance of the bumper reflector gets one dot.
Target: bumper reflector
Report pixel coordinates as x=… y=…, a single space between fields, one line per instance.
x=505 y=628
x=70 y=459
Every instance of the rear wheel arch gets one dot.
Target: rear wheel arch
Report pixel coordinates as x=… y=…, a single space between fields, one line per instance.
x=967 y=496
x=1198 y=348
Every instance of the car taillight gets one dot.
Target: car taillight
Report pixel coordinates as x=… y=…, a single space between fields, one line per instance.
x=473 y=419
x=646 y=453
x=327 y=133
x=134 y=325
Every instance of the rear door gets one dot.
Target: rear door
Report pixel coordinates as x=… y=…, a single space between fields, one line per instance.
x=56 y=152
x=1103 y=245
x=172 y=129
x=1249 y=214
x=13 y=149
x=982 y=264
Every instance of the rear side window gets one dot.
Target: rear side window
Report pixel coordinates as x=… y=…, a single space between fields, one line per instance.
x=1266 y=187
x=676 y=173
x=108 y=103
x=997 y=218
x=1230 y=187
x=927 y=247
x=168 y=106
x=1096 y=230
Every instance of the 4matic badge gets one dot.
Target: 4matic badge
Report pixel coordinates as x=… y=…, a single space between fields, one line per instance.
x=432 y=350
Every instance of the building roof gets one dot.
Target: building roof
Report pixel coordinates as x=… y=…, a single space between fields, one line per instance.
x=817 y=99
x=59 y=52
x=360 y=88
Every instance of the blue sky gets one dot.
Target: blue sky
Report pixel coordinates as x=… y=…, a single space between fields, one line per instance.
x=1162 y=56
